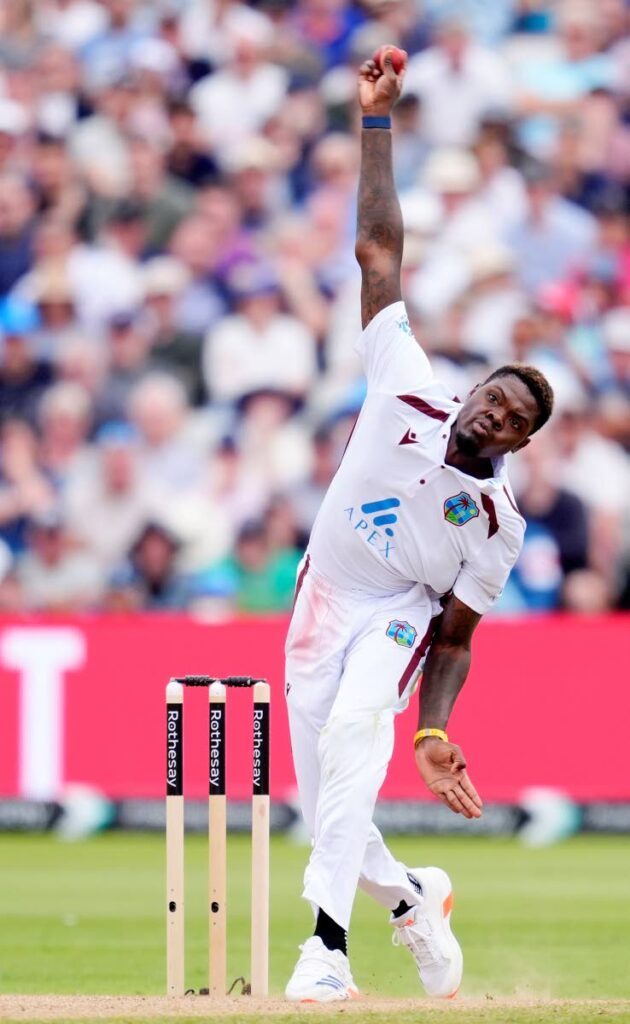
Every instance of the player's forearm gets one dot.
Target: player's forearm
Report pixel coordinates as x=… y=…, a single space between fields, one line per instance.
x=379 y=219
x=444 y=675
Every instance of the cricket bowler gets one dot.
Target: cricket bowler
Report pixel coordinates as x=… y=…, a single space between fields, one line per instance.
x=414 y=541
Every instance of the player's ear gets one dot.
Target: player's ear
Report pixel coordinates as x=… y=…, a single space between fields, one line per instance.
x=521 y=444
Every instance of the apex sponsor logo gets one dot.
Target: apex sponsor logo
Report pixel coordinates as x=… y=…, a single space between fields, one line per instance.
x=381 y=506
x=375 y=524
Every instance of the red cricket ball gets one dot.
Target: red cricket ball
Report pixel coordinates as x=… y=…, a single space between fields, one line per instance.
x=399 y=57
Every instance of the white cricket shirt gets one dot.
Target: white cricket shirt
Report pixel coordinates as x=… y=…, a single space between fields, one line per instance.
x=395 y=513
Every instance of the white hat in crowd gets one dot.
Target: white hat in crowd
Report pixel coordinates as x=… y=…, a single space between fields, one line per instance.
x=164 y=275
x=450 y=170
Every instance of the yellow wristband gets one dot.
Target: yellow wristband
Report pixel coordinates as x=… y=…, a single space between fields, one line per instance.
x=423 y=733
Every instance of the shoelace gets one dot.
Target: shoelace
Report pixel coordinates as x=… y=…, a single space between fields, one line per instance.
x=421 y=942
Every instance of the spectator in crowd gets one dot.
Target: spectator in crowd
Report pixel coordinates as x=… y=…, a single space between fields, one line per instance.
x=326 y=27
x=24 y=377
x=252 y=171
x=502 y=187
x=65 y=420
x=11 y=597
x=306 y=496
x=452 y=176
x=13 y=125
x=614 y=393
x=234 y=102
x=103 y=278
x=71 y=23
x=187 y=157
x=207 y=28
x=54 y=575
x=459 y=365
x=97 y=143
x=597 y=471
x=198 y=245
x=409 y=150
x=109 y=52
x=150 y=579
x=107 y=508
x=239 y=494
x=19 y=33
x=258 y=346
x=55 y=182
x=557 y=542
x=52 y=293
x=493 y=304
x=173 y=349
x=274 y=447
x=555 y=88
x=555 y=235
x=126 y=355
x=25 y=492
x=169 y=458
x=79 y=360
x=457 y=81
x=257 y=577
x=164 y=200
x=16 y=227
x=283 y=530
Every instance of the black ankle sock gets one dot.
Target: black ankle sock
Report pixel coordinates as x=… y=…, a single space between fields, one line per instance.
x=332 y=934
x=402 y=908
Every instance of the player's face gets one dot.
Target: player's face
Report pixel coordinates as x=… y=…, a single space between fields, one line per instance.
x=496 y=418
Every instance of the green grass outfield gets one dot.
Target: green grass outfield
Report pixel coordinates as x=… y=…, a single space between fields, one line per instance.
x=535 y=925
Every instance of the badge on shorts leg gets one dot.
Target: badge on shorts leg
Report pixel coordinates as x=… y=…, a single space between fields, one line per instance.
x=402 y=633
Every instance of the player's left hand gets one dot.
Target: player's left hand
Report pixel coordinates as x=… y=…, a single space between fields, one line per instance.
x=443 y=768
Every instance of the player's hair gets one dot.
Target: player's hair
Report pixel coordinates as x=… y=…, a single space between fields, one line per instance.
x=538 y=385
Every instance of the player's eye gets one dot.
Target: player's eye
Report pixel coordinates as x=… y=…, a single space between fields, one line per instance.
x=515 y=423
x=491 y=396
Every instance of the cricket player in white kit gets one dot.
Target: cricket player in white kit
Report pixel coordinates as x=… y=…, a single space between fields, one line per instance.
x=413 y=543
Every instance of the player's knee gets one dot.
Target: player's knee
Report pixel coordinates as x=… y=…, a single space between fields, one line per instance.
x=351 y=739
x=304 y=706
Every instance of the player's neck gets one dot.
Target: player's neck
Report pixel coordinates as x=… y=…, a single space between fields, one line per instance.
x=480 y=468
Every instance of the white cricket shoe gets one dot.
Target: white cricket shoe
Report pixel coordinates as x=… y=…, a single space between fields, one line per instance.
x=321 y=975
x=426 y=931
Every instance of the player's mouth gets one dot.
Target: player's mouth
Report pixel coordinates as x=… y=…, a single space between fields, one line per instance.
x=480 y=427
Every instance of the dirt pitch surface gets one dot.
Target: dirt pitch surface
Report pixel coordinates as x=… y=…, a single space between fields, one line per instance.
x=494 y=1010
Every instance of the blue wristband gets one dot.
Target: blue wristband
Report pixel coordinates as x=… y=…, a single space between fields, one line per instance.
x=377 y=122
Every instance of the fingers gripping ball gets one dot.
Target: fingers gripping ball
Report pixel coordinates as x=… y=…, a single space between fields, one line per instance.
x=399 y=58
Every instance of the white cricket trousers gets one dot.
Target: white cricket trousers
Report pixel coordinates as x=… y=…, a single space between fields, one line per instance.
x=346 y=680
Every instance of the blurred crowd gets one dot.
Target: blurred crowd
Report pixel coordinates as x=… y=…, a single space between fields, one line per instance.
x=179 y=297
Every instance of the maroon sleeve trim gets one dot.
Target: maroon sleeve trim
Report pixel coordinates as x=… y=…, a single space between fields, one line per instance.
x=511 y=501
x=421 y=406
x=491 y=512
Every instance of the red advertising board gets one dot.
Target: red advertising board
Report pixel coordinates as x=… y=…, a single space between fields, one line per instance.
x=547 y=702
